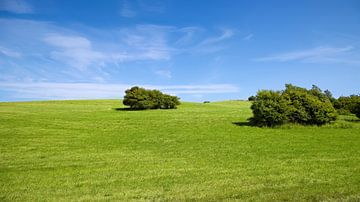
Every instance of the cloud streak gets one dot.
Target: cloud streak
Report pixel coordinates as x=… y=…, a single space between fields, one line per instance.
x=126 y=10
x=75 y=51
x=226 y=34
x=321 y=54
x=16 y=6
x=164 y=73
x=9 y=53
x=248 y=37
x=101 y=91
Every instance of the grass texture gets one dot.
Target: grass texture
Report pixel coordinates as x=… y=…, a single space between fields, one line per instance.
x=96 y=150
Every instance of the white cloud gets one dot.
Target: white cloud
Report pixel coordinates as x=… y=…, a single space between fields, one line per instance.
x=248 y=37
x=56 y=53
x=9 y=53
x=75 y=51
x=68 y=42
x=227 y=33
x=101 y=91
x=315 y=55
x=187 y=35
x=126 y=10
x=164 y=73
x=16 y=6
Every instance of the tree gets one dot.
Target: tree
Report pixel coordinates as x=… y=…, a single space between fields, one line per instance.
x=293 y=105
x=356 y=110
x=347 y=103
x=309 y=107
x=269 y=109
x=251 y=98
x=140 y=98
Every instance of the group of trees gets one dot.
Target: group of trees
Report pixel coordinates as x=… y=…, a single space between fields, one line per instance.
x=270 y=108
x=348 y=104
x=292 y=105
x=140 y=98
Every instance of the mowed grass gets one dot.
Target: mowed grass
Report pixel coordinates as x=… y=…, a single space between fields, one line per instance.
x=91 y=150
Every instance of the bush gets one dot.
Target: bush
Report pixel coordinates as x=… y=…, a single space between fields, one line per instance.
x=308 y=107
x=348 y=104
x=269 y=109
x=293 y=105
x=251 y=98
x=356 y=110
x=140 y=98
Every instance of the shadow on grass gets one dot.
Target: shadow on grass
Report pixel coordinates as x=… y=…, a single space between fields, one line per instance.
x=243 y=123
x=353 y=120
x=129 y=109
x=125 y=109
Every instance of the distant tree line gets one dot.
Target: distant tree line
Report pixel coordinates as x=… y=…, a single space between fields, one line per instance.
x=140 y=98
x=348 y=104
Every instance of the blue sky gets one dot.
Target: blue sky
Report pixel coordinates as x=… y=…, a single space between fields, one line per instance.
x=198 y=50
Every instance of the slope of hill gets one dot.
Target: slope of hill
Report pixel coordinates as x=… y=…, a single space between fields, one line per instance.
x=96 y=150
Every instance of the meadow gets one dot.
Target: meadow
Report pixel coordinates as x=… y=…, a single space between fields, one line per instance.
x=96 y=150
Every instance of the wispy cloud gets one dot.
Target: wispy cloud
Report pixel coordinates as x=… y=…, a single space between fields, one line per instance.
x=164 y=73
x=75 y=51
x=248 y=37
x=188 y=35
x=9 y=53
x=16 y=6
x=101 y=91
x=57 y=53
x=154 y=6
x=127 y=10
x=315 y=55
x=226 y=33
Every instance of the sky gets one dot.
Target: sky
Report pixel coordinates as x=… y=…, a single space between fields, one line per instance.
x=198 y=50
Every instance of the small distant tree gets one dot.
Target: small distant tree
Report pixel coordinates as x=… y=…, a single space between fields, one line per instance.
x=330 y=96
x=347 y=104
x=251 y=98
x=356 y=110
x=140 y=98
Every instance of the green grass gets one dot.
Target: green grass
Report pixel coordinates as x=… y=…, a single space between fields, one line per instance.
x=88 y=150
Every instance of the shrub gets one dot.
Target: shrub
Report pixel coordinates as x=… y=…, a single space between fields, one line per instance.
x=269 y=109
x=251 y=98
x=293 y=105
x=347 y=104
x=140 y=98
x=308 y=107
x=356 y=110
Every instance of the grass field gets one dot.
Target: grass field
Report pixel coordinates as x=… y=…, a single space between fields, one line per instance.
x=93 y=150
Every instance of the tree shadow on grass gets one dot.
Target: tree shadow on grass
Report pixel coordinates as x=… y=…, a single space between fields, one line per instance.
x=243 y=123
x=125 y=109
x=353 y=120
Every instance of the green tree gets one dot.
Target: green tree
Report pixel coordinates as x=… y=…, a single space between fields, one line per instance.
x=269 y=109
x=140 y=98
x=293 y=105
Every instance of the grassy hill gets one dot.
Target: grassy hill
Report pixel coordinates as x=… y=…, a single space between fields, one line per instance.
x=95 y=150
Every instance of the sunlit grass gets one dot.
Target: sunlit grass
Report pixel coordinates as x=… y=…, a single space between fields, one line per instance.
x=91 y=150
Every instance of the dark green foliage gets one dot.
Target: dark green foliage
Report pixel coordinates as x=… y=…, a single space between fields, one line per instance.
x=269 y=109
x=293 y=105
x=140 y=98
x=347 y=104
x=308 y=107
x=356 y=110
x=251 y=98
x=330 y=96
